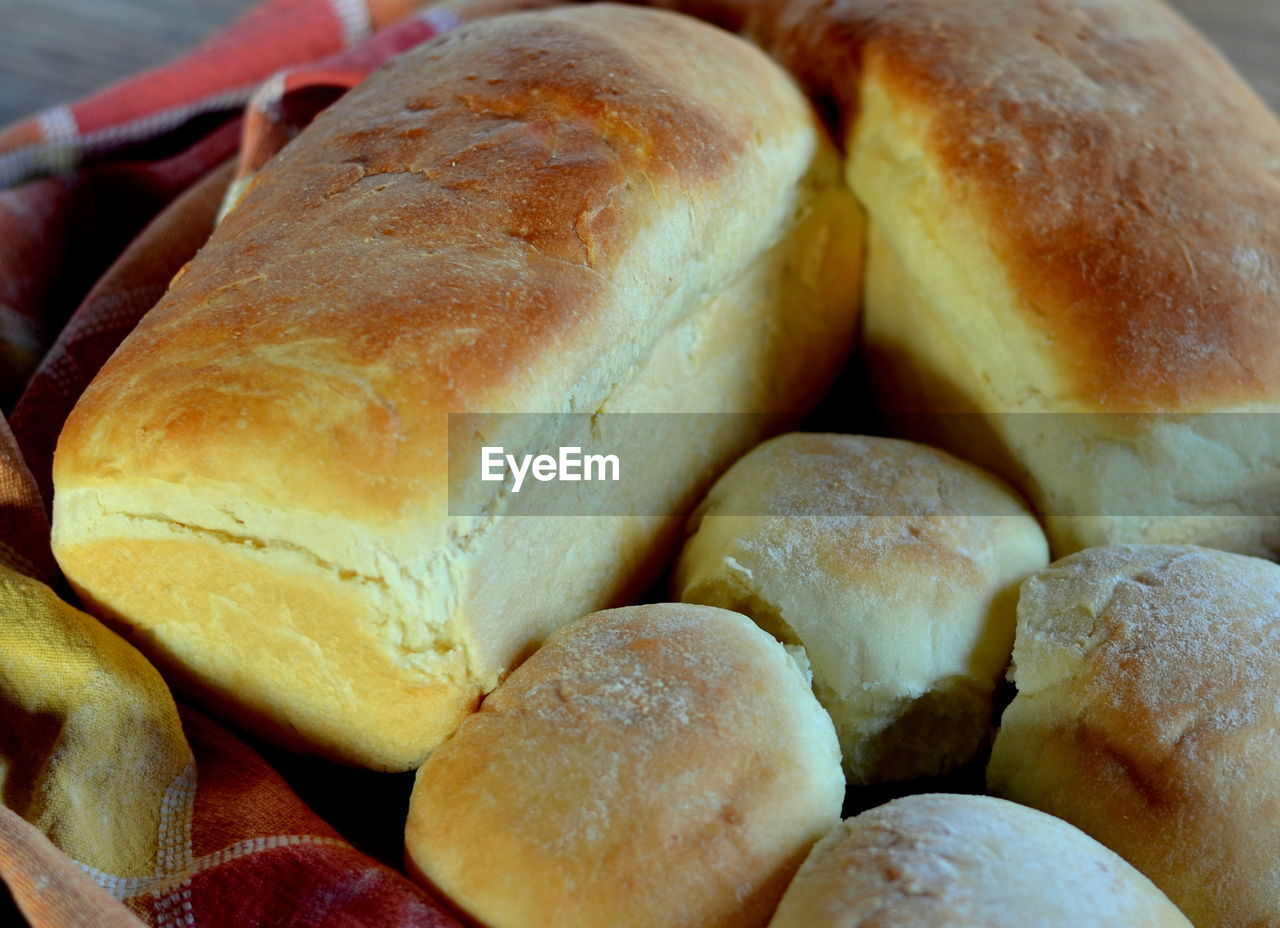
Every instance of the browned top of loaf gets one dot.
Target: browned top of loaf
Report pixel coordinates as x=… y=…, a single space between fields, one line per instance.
x=446 y=231
x=1129 y=177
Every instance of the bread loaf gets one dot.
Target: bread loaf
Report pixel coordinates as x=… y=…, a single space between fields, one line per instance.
x=941 y=861
x=1074 y=218
x=1147 y=715
x=587 y=211
x=1074 y=208
x=896 y=566
x=653 y=765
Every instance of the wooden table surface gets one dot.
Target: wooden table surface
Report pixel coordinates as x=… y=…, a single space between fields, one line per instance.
x=52 y=51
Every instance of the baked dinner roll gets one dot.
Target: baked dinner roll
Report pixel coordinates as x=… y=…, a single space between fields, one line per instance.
x=1147 y=714
x=896 y=566
x=572 y=212
x=653 y=765
x=941 y=861
x=1072 y=271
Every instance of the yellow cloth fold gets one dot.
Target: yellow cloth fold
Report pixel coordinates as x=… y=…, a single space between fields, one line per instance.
x=91 y=748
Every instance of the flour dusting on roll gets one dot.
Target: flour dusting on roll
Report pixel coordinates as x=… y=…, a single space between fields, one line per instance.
x=896 y=566
x=942 y=861
x=1148 y=715
x=653 y=765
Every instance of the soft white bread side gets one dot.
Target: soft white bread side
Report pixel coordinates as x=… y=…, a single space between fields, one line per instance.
x=653 y=765
x=1147 y=715
x=942 y=861
x=896 y=566
x=603 y=209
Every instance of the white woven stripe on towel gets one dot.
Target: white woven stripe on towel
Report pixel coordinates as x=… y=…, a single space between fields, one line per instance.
x=353 y=15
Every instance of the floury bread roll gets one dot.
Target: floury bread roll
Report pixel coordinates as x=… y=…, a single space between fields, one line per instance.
x=1072 y=272
x=603 y=209
x=653 y=765
x=896 y=566
x=942 y=861
x=1147 y=714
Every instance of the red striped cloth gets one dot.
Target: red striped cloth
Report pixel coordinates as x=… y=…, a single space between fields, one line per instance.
x=219 y=75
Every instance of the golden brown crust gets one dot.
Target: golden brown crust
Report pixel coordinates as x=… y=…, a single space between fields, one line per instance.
x=1128 y=178
x=465 y=227
x=1130 y=182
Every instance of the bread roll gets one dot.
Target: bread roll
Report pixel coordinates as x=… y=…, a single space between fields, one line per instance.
x=896 y=566
x=597 y=210
x=1072 y=277
x=654 y=765
x=941 y=861
x=1147 y=715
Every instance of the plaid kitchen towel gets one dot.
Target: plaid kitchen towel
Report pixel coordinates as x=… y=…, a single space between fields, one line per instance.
x=124 y=808
x=48 y=884
x=158 y=815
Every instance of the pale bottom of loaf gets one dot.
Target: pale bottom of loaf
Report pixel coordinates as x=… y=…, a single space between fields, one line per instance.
x=1210 y=479
x=256 y=637
x=369 y=644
